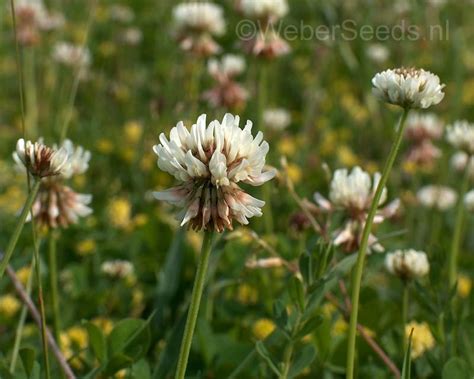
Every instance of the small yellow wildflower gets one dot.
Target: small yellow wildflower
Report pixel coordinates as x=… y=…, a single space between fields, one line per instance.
x=9 y=305
x=262 y=328
x=119 y=212
x=122 y=374
x=346 y=156
x=422 y=339
x=464 y=286
x=104 y=146
x=140 y=219
x=247 y=294
x=23 y=274
x=104 y=323
x=86 y=247
x=339 y=327
x=294 y=173
x=78 y=336
x=328 y=309
x=133 y=131
x=287 y=146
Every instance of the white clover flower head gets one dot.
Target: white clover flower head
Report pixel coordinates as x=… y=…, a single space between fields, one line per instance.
x=78 y=159
x=117 y=268
x=437 y=197
x=264 y=9
x=378 y=52
x=276 y=118
x=407 y=264
x=460 y=160
x=354 y=190
x=229 y=66
x=121 y=13
x=210 y=161
x=423 y=126
x=58 y=205
x=40 y=160
x=408 y=87
x=461 y=136
x=71 y=55
x=469 y=201
x=201 y=17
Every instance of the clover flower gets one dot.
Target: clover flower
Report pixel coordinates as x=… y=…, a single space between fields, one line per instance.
x=210 y=162
x=352 y=193
x=276 y=118
x=408 y=87
x=71 y=55
x=407 y=264
x=461 y=136
x=40 y=160
x=117 y=268
x=268 y=10
x=437 y=197
x=196 y=23
x=266 y=44
x=469 y=201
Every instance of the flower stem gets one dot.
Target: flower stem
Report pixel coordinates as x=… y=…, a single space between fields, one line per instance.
x=458 y=226
x=364 y=244
x=21 y=322
x=53 y=283
x=19 y=227
x=289 y=352
x=194 y=306
x=404 y=312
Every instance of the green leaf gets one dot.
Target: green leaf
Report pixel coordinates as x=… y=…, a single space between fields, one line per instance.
x=305 y=263
x=130 y=337
x=28 y=356
x=304 y=358
x=406 y=370
x=141 y=370
x=97 y=342
x=296 y=292
x=118 y=362
x=456 y=368
x=265 y=354
x=280 y=314
x=309 y=326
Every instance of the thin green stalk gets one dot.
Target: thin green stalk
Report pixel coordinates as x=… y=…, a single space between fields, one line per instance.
x=458 y=227
x=21 y=322
x=19 y=227
x=44 y=340
x=30 y=90
x=53 y=283
x=359 y=268
x=194 y=306
x=262 y=102
x=404 y=312
x=289 y=352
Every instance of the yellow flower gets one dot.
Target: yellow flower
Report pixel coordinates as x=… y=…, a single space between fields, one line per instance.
x=140 y=219
x=119 y=212
x=9 y=305
x=147 y=162
x=287 y=146
x=104 y=323
x=122 y=374
x=346 y=156
x=262 y=328
x=294 y=173
x=328 y=309
x=410 y=167
x=78 y=336
x=246 y=294
x=104 y=146
x=422 y=339
x=12 y=200
x=464 y=286
x=340 y=327
x=86 y=247
x=23 y=274
x=128 y=154
x=133 y=131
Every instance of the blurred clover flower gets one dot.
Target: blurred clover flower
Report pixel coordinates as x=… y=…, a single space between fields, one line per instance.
x=196 y=23
x=71 y=55
x=461 y=136
x=378 y=52
x=421 y=130
x=266 y=10
x=352 y=193
x=469 y=201
x=407 y=264
x=227 y=93
x=117 y=268
x=460 y=160
x=40 y=160
x=210 y=161
x=276 y=119
x=422 y=339
x=437 y=197
x=56 y=204
x=408 y=87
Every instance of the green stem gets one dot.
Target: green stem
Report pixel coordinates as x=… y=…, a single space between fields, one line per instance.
x=194 y=306
x=262 y=102
x=404 y=312
x=41 y=303
x=289 y=351
x=21 y=323
x=458 y=226
x=30 y=90
x=19 y=227
x=364 y=244
x=53 y=283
